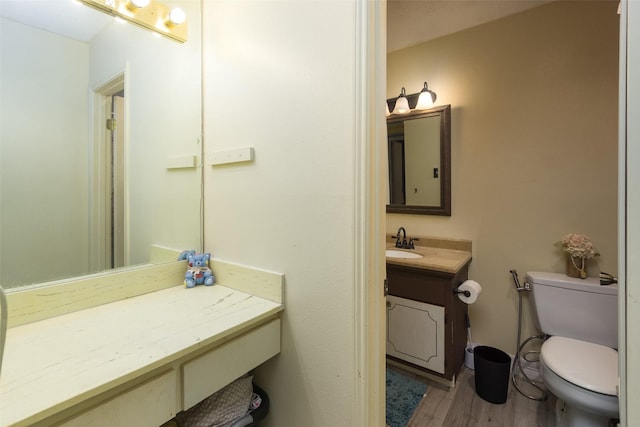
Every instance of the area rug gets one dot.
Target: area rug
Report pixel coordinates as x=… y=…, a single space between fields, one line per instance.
x=403 y=396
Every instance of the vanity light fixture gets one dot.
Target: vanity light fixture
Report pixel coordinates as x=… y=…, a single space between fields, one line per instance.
x=402 y=104
x=149 y=14
x=426 y=99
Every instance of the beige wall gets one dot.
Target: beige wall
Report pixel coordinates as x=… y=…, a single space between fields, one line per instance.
x=534 y=145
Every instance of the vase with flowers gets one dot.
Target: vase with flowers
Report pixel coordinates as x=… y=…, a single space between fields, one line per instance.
x=578 y=248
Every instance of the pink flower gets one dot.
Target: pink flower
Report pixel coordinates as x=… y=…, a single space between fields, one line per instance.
x=579 y=246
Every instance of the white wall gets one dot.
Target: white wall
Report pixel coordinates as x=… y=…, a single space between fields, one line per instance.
x=44 y=151
x=280 y=76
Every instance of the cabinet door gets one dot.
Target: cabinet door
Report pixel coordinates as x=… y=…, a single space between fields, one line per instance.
x=415 y=332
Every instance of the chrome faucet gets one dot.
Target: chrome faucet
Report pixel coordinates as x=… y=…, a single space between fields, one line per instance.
x=403 y=243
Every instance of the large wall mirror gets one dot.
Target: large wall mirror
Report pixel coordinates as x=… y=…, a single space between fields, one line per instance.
x=419 y=150
x=101 y=141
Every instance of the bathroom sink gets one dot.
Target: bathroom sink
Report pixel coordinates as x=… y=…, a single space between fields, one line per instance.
x=391 y=253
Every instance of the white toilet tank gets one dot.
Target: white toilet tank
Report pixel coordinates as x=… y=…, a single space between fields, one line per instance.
x=575 y=308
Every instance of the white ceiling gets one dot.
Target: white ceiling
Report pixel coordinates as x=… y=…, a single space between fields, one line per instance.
x=411 y=22
x=63 y=17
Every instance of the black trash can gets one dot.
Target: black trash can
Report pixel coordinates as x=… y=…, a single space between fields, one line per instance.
x=492 y=368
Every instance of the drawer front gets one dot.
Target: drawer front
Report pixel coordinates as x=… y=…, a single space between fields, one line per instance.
x=419 y=286
x=210 y=372
x=150 y=404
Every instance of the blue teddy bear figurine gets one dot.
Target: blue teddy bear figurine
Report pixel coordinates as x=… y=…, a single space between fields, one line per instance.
x=198 y=272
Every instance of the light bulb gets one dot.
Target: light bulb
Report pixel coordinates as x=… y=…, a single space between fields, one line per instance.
x=426 y=98
x=402 y=103
x=139 y=4
x=424 y=101
x=176 y=16
x=402 y=106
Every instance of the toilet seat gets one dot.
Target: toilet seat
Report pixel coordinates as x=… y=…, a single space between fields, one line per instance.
x=590 y=366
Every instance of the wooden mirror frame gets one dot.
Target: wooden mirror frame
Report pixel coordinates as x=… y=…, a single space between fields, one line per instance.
x=444 y=111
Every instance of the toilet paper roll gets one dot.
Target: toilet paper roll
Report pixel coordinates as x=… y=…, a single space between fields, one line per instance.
x=474 y=289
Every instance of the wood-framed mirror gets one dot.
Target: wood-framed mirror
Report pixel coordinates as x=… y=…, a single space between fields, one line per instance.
x=419 y=149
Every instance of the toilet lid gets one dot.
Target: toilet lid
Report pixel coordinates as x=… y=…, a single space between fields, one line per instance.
x=587 y=365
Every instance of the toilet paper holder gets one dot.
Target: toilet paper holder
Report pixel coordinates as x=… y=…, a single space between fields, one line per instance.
x=466 y=293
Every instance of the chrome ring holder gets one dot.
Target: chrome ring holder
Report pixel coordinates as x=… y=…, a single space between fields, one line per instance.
x=466 y=293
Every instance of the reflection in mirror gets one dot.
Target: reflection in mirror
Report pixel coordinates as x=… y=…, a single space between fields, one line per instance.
x=100 y=142
x=419 y=150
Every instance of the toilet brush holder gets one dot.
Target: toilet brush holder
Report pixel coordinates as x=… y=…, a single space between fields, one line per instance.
x=468 y=356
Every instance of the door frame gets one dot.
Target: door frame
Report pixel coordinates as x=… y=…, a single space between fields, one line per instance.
x=628 y=211
x=370 y=214
x=100 y=181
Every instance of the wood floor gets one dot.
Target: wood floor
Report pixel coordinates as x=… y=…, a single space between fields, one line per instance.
x=461 y=406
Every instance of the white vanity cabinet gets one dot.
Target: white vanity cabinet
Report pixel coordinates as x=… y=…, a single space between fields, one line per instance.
x=139 y=360
x=157 y=400
x=415 y=332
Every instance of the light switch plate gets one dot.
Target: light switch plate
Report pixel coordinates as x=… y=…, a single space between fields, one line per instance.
x=178 y=162
x=236 y=155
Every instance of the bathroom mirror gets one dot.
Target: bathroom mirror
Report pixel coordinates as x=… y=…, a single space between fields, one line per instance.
x=100 y=142
x=419 y=151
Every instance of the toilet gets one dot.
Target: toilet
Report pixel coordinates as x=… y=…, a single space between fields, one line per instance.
x=579 y=361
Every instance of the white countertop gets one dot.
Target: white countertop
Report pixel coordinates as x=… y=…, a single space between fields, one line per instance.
x=53 y=364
